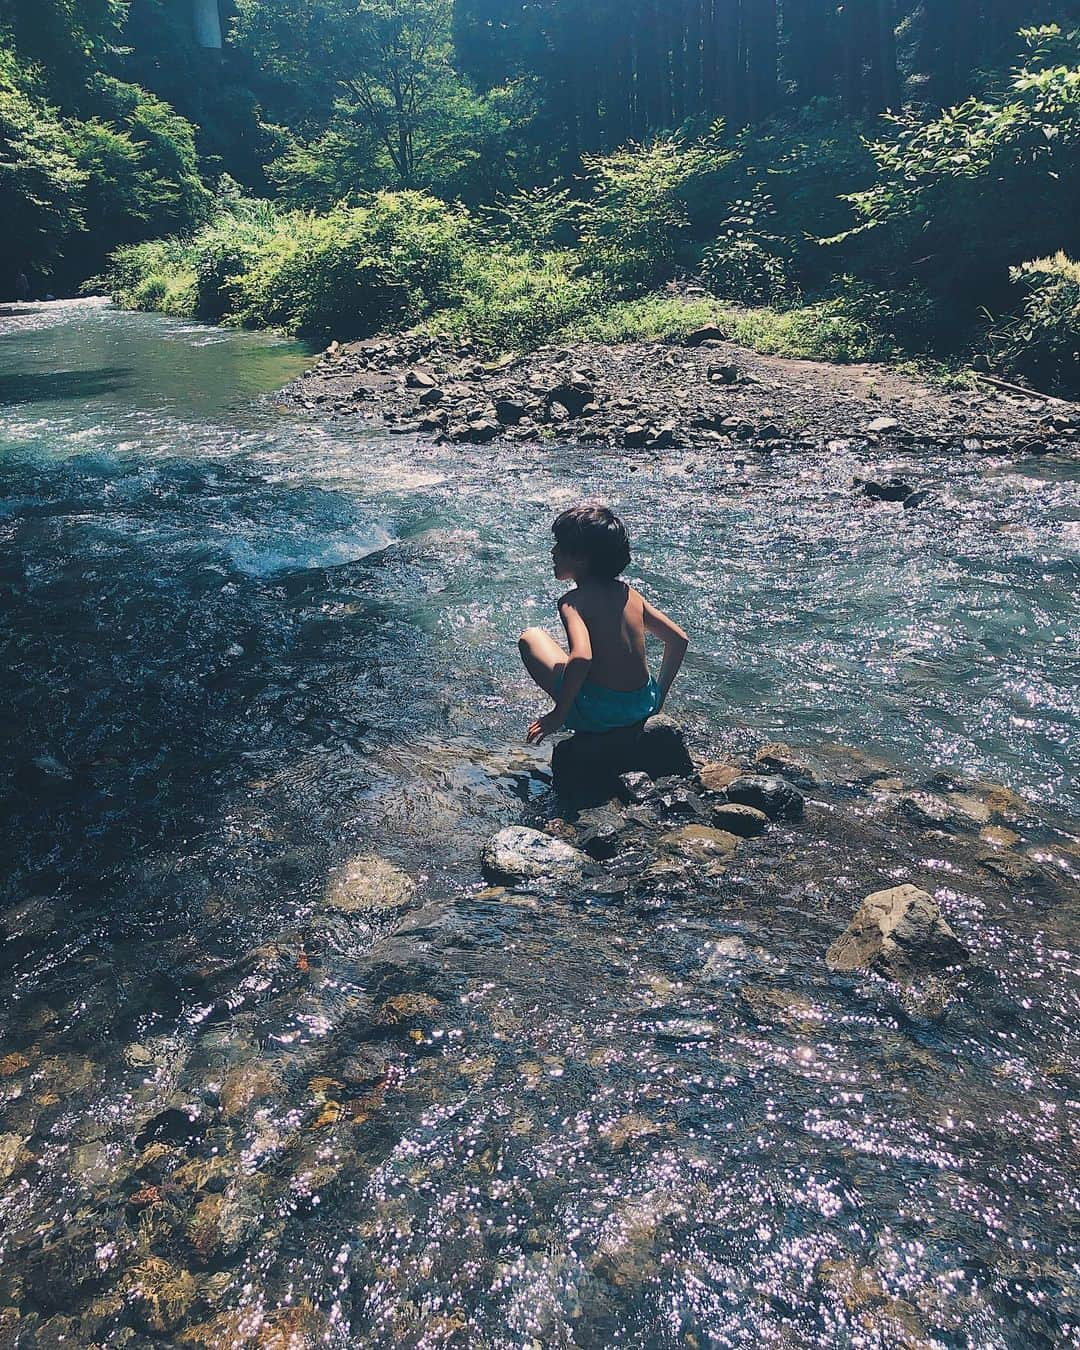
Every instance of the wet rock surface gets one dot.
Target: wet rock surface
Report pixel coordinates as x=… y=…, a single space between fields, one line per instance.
x=519 y=854
x=898 y=933
x=705 y=394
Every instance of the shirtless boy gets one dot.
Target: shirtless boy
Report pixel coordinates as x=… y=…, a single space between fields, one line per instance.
x=602 y=682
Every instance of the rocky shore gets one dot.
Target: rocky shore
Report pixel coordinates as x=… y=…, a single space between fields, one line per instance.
x=703 y=395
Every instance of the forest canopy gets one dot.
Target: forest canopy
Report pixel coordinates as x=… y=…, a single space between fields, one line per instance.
x=879 y=176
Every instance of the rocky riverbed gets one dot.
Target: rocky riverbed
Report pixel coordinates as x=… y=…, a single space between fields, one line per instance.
x=228 y=1145
x=327 y=1018
x=706 y=395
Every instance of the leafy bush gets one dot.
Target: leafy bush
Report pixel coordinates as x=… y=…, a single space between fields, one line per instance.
x=636 y=225
x=344 y=274
x=746 y=262
x=983 y=186
x=510 y=299
x=41 y=181
x=1043 y=341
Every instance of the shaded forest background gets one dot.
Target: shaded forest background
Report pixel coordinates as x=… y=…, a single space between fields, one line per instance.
x=842 y=179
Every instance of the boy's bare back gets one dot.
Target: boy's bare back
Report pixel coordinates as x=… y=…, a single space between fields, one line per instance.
x=617 y=618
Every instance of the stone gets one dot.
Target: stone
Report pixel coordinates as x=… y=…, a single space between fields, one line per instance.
x=635 y=436
x=660 y=438
x=368 y=884
x=997 y=836
x=420 y=379
x=601 y=831
x=914 y=500
x=586 y=765
x=769 y=793
x=724 y=374
x=716 y=777
x=706 y=333
x=482 y=431
x=778 y=757
x=431 y=396
x=245 y=1084
x=744 y=821
x=897 y=933
x=882 y=424
x=574 y=394
x=509 y=412
x=890 y=490
x=676 y=800
x=162 y=1295
x=519 y=854
x=635 y=787
x=1013 y=868
x=927 y=810
x=223 y=1225
x=769 y=432
x=11 y=1147
x=699 y=843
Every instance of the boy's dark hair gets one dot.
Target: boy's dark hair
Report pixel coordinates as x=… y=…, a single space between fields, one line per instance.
x=597 y=535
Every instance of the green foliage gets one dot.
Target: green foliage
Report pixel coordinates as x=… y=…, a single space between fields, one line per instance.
x=747 y=261
x=41 y=180
x=986 y=184
x=636 y=222
x=512 y=300
x=537 y=218
x=345 y=274
x=375 y=71
x=1042 y=342
x=141 y=170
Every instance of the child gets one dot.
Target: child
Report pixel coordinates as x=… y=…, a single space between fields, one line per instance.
x=603 y=682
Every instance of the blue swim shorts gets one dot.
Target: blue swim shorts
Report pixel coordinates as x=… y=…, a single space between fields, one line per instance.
x=598 y=708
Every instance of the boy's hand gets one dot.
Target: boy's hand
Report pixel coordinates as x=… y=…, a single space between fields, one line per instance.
x=544 y=726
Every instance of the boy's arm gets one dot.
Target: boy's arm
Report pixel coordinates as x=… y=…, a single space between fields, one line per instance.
x=675 y=644
x=579 y=645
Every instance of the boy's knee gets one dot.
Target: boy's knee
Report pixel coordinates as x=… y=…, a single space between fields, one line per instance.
x=525 y=641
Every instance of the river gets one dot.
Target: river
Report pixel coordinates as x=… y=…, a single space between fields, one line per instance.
x=240 y=648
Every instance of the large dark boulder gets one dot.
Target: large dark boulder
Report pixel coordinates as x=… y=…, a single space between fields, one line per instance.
x=587 y=767
x=768 y=793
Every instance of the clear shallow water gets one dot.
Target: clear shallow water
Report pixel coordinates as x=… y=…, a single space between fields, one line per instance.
x=238 y=649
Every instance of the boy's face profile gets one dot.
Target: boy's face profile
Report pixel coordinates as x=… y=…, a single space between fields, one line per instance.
x=565 y=565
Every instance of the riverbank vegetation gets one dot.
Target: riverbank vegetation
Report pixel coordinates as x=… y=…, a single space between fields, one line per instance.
x=845 y=181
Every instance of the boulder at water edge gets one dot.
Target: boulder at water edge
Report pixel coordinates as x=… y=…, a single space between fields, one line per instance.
x=769 y=793
x=898 y=933
x=587 y=765
x=520 y=854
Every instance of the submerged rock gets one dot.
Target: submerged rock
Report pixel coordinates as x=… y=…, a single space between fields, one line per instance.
x=520 y=854
x=897 y=933
x=368 y=883
x=162 y=1294
x=699 y=843
x=585 y=764
x=778 y=757
x=768 y=793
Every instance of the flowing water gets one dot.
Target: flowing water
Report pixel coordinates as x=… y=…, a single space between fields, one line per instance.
x=239 y=649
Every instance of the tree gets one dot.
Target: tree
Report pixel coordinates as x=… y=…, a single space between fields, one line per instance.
x=41 y=182
x=206 y=17
x=382 y=63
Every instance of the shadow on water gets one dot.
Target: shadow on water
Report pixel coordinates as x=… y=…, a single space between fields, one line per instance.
x=57 y=385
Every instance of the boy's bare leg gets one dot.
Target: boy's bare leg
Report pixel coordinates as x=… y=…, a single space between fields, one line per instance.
x=544 y=659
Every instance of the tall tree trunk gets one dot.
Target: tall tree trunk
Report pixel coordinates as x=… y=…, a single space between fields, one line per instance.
x=760 y=23
x=206 y=16
x=888 y=83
